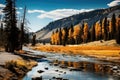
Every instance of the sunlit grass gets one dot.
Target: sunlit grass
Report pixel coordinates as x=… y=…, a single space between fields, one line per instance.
x=20 y=67
x=90 y=49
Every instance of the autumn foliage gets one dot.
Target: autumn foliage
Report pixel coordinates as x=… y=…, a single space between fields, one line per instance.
x=105 y=29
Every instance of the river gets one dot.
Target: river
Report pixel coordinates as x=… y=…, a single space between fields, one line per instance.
x=68 y=67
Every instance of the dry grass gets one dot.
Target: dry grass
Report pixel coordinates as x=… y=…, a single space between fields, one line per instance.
x=21 y=62
x=20 y=67
x=78 y=49
x=100 y=51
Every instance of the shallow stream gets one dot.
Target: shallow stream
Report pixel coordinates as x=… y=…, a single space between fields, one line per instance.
x=68 y=67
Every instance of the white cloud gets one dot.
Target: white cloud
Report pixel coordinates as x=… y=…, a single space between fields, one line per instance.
x=58 y=13
x=36 y=11
x=114 y=3
x=2 y=5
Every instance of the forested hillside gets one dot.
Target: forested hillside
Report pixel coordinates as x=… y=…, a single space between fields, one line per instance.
x=89 y=17
x=106 y=29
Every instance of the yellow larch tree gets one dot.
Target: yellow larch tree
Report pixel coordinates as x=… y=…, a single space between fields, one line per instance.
x=98 y=31
x=52 y=39
x=77 y=34
x=70 y=35
x=85 y=32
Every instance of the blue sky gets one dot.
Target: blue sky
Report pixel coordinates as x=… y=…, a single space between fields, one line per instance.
x=41 y=12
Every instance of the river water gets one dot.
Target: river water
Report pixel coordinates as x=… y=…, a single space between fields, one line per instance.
x=67 y=67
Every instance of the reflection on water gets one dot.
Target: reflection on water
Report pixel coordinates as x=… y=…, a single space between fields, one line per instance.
x=87 y=66
x=89 y=71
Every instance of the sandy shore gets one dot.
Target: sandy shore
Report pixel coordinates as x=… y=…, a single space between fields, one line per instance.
x=5 y=57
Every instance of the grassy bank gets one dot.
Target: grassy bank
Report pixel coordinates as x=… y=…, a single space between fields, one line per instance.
x=14 y=67
x=20 y=67
x=108 y=50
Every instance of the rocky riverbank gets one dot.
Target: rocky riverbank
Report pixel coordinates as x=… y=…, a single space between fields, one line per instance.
x=14 y=67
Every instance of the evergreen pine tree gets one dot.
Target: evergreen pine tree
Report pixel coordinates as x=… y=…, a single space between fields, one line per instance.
x=60 y=36
x=1 y=35
x=113 y=20
x=104 y=24
x=93 y=33
x=11 y=29
x=34 y=40
x=118 y=31
x=118 y=35
x=65 y=36
x=1 y=28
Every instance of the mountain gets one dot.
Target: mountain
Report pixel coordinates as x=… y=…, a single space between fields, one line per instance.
x=89 y=17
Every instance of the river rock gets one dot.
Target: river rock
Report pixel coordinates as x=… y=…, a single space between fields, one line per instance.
x=37 y=78
x=64 y=72
x=59 y=78
x=40 y=71
x=54 y=77
x=115 y=67
x=55 y=64
x=46 y=68
x=56 y=70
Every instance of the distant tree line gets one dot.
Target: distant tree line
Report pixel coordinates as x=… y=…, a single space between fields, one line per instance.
x=105 y=29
